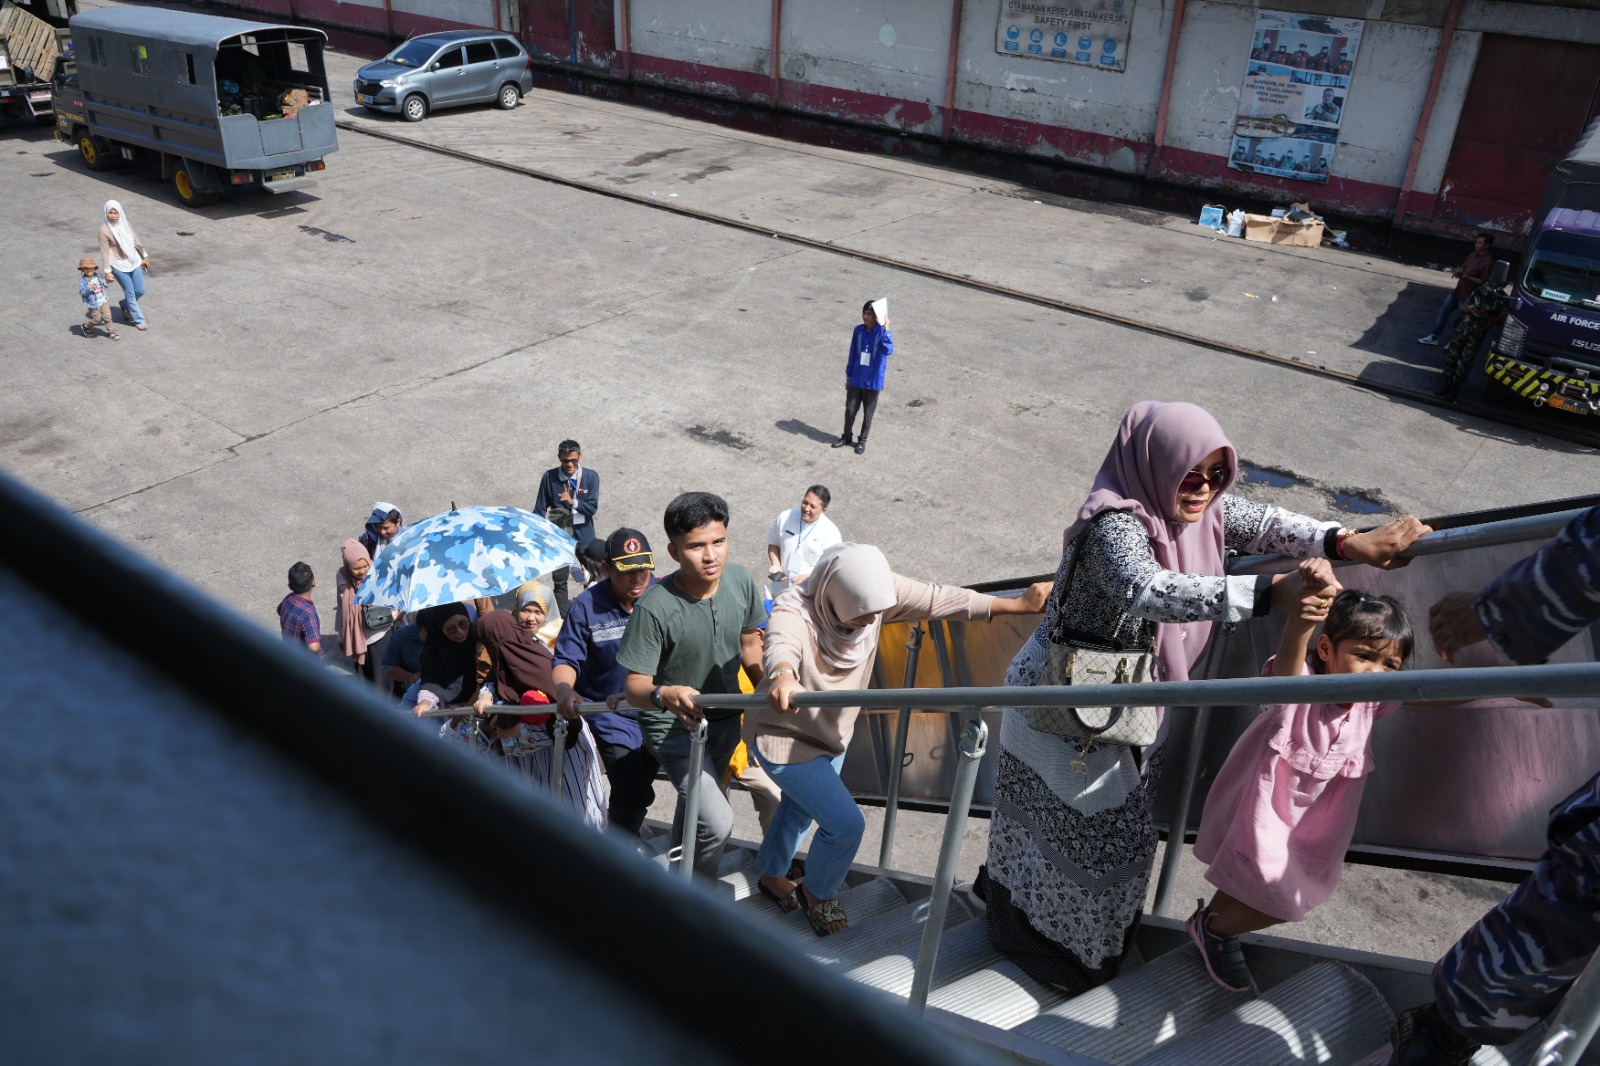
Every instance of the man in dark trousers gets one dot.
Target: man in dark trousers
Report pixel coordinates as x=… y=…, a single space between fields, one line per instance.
x=569 y=496
x=586 y=670
x=1512 y=968
x=866 y=362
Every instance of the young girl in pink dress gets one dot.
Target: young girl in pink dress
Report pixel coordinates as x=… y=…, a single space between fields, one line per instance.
x=1283 y=808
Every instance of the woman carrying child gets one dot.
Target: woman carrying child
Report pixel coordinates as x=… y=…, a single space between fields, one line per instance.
x=1283 y=808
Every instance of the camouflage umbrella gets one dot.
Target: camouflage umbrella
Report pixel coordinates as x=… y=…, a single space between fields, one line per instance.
x=463 y=554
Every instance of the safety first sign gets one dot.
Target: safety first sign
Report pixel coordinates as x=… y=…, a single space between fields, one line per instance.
x=1091 y=33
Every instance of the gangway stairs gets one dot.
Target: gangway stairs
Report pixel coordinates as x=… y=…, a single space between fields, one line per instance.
x=1160 y=1012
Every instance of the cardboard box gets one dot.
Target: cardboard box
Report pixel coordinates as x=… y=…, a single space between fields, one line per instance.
x=1271 y=230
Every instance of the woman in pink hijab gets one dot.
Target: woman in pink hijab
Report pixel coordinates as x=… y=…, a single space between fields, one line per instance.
x=354 y=636
x=823 y=635
x=1071 y=841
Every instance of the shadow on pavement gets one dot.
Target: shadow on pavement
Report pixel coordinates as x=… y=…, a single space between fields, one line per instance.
x=804 y=429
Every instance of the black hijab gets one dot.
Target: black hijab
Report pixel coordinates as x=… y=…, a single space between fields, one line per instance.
x=445 y=661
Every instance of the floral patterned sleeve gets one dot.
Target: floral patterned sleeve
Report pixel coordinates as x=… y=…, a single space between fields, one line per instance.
x=1120 y=557
x=1261 y=529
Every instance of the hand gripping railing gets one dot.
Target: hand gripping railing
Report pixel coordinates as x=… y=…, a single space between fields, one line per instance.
x=1440 y=542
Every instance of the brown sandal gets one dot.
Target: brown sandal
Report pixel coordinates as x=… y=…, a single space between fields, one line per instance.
x=786 y=904
x=822 y=913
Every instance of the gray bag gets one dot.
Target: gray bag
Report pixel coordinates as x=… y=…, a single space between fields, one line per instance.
x=1079 y=658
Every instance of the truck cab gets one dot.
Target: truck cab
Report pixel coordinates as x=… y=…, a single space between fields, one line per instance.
x=1548 y=350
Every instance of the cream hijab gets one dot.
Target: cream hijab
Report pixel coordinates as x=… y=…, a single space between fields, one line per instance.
x=122 y=237
x=849 y=580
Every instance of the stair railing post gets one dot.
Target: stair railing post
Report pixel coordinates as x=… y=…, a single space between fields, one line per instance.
x=691 y=801
x=558 y=755
x=897 y=756
x=1179 y=827
x=974 y=742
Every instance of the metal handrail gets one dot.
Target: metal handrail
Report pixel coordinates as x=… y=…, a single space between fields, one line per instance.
x=1455 y=683
x=1484 y=535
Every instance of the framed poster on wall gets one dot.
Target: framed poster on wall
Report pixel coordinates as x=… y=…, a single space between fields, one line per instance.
x=1091 y=33
x=1296 y=84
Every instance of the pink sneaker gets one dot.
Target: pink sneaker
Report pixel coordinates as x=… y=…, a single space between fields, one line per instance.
x=1223 y=956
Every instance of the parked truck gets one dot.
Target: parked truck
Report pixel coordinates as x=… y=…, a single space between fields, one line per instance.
x=214 y=103
x=1548 y=351
x=32 y=39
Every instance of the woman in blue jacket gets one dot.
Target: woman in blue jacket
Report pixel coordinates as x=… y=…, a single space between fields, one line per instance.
x=865 y=364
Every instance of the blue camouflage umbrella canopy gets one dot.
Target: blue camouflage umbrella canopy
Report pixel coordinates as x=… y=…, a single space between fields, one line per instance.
x=462 y=554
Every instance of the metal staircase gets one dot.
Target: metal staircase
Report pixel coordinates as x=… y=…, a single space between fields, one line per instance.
x=1161 y=1012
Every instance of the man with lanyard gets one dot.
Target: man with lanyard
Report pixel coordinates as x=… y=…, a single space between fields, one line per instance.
x=798 y=538
x=586 y=670
x=569 y=496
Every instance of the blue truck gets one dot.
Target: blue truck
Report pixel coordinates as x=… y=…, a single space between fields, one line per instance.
x=1548 y=351
x=214 y=103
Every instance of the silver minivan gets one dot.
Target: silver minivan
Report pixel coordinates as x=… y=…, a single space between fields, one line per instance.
x=445 y=70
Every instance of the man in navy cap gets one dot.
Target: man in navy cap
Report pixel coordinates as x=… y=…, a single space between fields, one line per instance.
x=586 y=670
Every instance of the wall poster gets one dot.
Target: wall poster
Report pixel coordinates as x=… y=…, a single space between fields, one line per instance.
x=1092 y=33
x=1295 y=87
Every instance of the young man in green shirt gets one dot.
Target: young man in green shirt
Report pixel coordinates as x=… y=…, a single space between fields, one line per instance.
x=691 y=634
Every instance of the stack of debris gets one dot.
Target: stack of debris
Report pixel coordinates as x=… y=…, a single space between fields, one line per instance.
x=29 y=43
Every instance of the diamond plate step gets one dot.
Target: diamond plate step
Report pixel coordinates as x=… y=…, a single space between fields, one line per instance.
x=1328 y=1013
x=1000 y=995
x=964 y=950
x=1165 y=999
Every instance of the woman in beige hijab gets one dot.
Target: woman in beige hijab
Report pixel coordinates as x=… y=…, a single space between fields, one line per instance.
x=824 y=635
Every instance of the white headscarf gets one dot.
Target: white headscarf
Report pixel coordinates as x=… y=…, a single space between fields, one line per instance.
x=127 y=245
x=849 y=581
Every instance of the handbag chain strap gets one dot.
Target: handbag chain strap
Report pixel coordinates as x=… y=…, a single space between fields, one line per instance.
x=1059 y=635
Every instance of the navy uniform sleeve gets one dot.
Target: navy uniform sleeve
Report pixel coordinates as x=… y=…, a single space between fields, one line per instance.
x=572 y=643
x=542 y=502
x=1540 y=603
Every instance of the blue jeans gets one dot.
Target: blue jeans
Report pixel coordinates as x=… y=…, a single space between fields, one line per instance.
x=132 y=282
x=812 y=791
x=1446 y=309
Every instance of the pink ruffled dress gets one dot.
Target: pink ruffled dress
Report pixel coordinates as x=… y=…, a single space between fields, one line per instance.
x=1283 y=808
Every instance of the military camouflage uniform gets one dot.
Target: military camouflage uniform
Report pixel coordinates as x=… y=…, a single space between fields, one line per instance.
x=1512 y=967
x=1486 y=306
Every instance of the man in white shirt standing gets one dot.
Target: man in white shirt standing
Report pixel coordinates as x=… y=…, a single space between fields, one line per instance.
x=798 y=538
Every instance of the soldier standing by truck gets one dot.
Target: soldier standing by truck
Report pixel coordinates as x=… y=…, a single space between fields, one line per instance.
x=1484 y=309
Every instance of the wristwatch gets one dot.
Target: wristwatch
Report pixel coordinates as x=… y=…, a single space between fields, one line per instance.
x=655 y=698
x=783 y=670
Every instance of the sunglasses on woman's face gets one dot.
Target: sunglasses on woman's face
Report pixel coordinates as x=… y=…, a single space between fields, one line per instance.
x=1194 y=479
